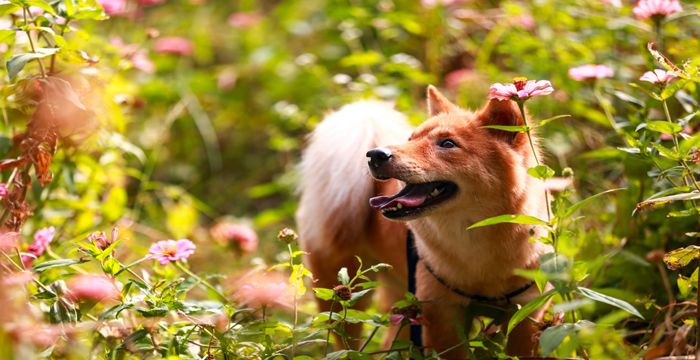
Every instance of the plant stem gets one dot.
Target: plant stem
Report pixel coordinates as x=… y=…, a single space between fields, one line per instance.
x=521 y=106
x=371 y=335
x=31 y=42
x=328 y=335
x=296 y=314
x=689 y=178
x=199 y=279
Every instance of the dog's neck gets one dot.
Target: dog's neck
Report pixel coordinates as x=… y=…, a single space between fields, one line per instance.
x=482 y=260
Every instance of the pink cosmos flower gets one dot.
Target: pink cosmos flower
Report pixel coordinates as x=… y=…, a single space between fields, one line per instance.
x=590 y=71
x=521 y=89
x=92 y=287
x=166 y=251
x=113 y=7
x=264 y=289
x=649 y=8
x=174 y=45
x=397 y=319
x=42 y=238
x=658 y=76
x=242 y=236
x=3 y=190
x=243 y=19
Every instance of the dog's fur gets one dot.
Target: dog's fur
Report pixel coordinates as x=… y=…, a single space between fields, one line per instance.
x=489 y=169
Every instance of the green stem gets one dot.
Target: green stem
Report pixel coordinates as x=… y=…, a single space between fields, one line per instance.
x=296 y=313
x=31 y=42
x=689 y=178
x=328 y=335
x=199 y=279
x=521 y=106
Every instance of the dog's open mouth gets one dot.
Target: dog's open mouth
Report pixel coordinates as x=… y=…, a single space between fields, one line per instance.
x=413 y=199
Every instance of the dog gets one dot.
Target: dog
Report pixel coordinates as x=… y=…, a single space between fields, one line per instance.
x=436 y=180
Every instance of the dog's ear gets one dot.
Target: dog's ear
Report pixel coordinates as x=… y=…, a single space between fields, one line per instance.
x=503 y=113
x=438 y=103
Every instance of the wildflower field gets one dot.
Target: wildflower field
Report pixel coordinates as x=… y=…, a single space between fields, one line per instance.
x=149 y=151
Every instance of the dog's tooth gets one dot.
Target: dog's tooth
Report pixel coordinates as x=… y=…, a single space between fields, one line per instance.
x=399 y=205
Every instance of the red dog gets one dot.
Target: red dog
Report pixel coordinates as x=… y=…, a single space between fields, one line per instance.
x=447 y=175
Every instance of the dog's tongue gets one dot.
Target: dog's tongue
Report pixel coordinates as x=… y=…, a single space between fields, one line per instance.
x=409 y=197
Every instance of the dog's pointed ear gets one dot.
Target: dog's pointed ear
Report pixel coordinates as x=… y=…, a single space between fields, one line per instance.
x=438 y=103
x=503 y=113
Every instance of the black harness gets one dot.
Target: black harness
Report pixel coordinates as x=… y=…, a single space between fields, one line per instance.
x=413 y=258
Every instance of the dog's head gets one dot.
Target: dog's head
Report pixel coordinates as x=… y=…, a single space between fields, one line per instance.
x=451 y=160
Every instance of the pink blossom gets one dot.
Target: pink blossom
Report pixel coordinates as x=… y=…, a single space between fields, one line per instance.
x=174 y=45
x=150 y=2
x=227 y=79
x=38 y=335
x=92 y=287
x=141 y=61
x=17 y=278
x=658 y=76
x=520 y=89
x=525 y=21
x=8 y=240
x=455 y=78
x=242 y=236
x=42 y=238
x=3 y=190
x=397 y=319
x=113 y=7
x=244 y=19
x=434 y=3
x=648 y=8
x=590 y=71
x=264 y=289
x=166 y=251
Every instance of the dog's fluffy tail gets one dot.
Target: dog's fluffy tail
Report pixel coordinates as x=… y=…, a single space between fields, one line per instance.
x=335 y=182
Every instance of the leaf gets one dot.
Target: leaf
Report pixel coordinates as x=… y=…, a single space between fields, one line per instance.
x=549 y=120
x=666 y=152
x=693 y=195
x=42 y=5
x=671 y=88
x=526 y=310
x=513 y=219
x=663 y=127
x=323 y=293
x=552 y=336
x=6 y=9
x=343 y=276
x=541 y=172
x=51 y=264
x=651 y=94
x=17 y=62
x=509 y=128
x=115 y=310
x=618 y=303
x=576 y=206
x=680 y=258
x=628 y=98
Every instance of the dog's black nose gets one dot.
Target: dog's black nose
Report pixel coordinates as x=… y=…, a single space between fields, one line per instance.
x=378 y=156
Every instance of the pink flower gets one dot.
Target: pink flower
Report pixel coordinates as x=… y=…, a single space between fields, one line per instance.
x=150 y=2
x=227 y=79
x=525 y=21
x=397 y=319
x=242 y=236
x=3 y=190
x=141 y=61
x=166 y=251
x=174 y=45
x=434 y=3
x=454 y=79
x=658 y=76
x=244 y=19
x=42 y=238
x=92 y=287
x=520 y=89
x=113 y=7
x=590 y=71
x=264 y=289
x=648 y=8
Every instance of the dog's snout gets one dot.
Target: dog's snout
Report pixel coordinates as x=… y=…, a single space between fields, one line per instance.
x=378 y=156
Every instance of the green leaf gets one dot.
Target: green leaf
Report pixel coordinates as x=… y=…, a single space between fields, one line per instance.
x=541 y=172
x=551 y=337
x=6 y=9
x=509 y=128
x=343 y=276
x=576 y=206
x=323 y=293
x=513 y=219
x=680 y=258
x=663 y=127
x=651 y=94
x=549 y=120
x=115 y=310
x=51 y=264
x=526 y=310
x=693 y=195
x=618 y=303
x=666 y=152
x=42 y=5
x=17 y=62
x=628 y=98
x=671 y=88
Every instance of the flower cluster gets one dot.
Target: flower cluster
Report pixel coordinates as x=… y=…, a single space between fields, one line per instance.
x=42 y=239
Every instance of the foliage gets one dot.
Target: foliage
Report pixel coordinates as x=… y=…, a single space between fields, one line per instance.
x=170 y=120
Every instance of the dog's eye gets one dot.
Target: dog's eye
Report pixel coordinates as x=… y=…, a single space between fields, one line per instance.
x=447 y=144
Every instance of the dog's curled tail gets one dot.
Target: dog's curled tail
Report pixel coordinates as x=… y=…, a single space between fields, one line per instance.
x=335 y=183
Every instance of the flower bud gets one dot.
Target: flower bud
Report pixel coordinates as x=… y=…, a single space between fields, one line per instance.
x=567 y=172
x=343 y=292
x=287 y=235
